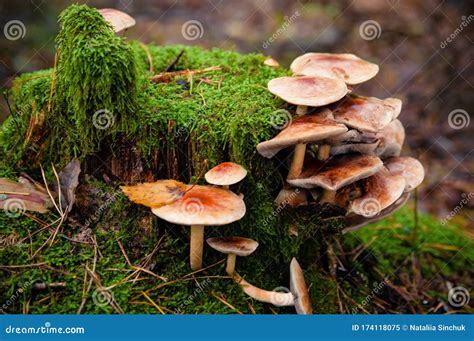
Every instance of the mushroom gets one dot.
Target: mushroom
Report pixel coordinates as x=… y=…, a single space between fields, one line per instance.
x=353 y=221
x=292 y=197
x=352 y=135
x=302 y=130
x=298 y=295
x=225 y=174
x=391 y=139
x=271 y=62
x=304 y=92
x=337 y=173
x=411 y=169
x=347 y=67
x=118 y=19
x=202 y=206
x=363 y=148
x=379 y=191
x=367 y=114
x=233 y=247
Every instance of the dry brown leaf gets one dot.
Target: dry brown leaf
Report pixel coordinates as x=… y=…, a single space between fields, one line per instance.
x=155 y=194
x=16 y=197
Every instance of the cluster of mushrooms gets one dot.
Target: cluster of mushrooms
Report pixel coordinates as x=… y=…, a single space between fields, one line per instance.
x=346 y=147
x=215 y=205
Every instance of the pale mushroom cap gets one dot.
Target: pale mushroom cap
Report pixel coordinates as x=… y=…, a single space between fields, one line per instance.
x=292 y=197
x=203 y=205
x=118 y=19
x=338 y=172
x=310 y=91
x=236 y=245
x=347 y=67
x=304 y=129
x=380 y=191
x=411 y=169
x=366 y=113
x=271 y=62
x=299 y=289
x=225 y=174
x=391 y=139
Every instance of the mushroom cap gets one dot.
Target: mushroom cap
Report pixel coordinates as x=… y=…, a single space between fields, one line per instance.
x=203 y=205
x=225 y=174
x=299 y=289
x=155 y=194
x=303 y=129
x=308 y=90
x=391 y=139
x=292 y=197
x=236 y=245
x=118 y=19
x=366 y=113
x=338 y=172
x=347 y=67
x=271 y=62
x=354 y=221
x=411 y=169
x=380 y=191
x=363 y=148
x=351 y=135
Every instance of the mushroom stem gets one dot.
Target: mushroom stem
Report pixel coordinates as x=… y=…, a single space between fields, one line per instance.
x=301 y=110
x=225 y=186
x=197 y=243
x=273 y=297
x=230 y=268
x=297 y=162
x=324 y=151
x=328 y=196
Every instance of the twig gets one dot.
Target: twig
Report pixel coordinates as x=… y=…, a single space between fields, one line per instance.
x=89 y=286
x=153 y=303
x=174 y=61
x=226 y=303
x=148 y=56
x=166 y=77
x=123 y=252
x=53 y=82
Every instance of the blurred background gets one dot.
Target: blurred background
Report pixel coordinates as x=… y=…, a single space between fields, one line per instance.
x=424 y=48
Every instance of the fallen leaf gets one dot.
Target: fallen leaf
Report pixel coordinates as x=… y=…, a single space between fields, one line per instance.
x=155 y=194
x=69 y=180
x=18 y=197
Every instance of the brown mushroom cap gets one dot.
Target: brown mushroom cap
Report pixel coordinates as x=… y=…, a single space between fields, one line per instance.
x=366 y=113
x=225 y=174
x=352 y=135
x=338 y=172
x=236 y=245
x=203 y=205
x=411 y=169
x=299 y=289
x=380 y=191
x=304 y=129
x=118 y=19
x=348 y=67
x=354 y=221
x=292 y=197
x=391 y=139
x=309 y=91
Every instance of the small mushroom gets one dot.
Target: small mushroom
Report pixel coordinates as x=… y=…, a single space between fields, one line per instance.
x=292 y=197
x=202 y=206
x=225 y=174
x=347 y=67
x=118 y=19
x=380 y=191
x=411 y=169
x=233 y=247
x=337 y=173
x=367 y=114
x=302 y=130
x=391 y=139
x=298 y=295
x=271 y=62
